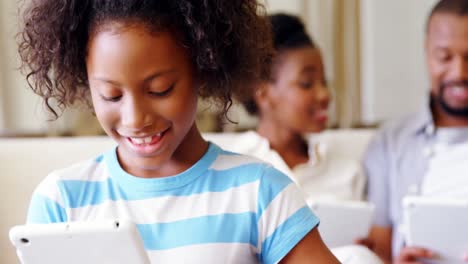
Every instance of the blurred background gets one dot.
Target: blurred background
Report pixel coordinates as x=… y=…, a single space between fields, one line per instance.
x=373 y=52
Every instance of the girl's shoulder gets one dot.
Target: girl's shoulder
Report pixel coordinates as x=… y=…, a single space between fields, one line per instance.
x=92 y=169
x=229 y=159
x=243 y=164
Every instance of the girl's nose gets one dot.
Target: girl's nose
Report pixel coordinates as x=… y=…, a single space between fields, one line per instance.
x=134 y=115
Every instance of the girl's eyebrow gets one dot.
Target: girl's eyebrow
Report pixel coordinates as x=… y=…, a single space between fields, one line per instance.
x=146 y=80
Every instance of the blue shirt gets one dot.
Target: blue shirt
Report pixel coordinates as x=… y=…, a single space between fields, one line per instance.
x=226 y=208
x=396 y=162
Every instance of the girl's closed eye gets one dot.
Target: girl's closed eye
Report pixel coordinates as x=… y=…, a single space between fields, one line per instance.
x=111 y=98
x=165 y=92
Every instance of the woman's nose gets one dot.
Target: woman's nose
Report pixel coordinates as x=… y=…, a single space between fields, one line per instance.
x=322 y=94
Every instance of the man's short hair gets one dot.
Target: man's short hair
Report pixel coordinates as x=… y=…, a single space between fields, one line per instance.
x=454 y=7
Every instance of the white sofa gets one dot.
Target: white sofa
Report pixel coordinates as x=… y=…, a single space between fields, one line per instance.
x=24 y=162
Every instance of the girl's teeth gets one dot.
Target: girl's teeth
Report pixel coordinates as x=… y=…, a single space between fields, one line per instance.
x=139 y=141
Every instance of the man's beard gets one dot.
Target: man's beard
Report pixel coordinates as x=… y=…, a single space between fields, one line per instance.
x=453 y=111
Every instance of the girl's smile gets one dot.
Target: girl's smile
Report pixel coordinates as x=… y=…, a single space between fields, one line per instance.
x=145 y=96
x=146 y=145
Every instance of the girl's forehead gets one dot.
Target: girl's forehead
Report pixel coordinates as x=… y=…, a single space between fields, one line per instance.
x=132 y=34
x=134 y=49
x=153 y=24
x=118 y=26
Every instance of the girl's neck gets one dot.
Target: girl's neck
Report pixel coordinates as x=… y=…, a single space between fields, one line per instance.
x=290 y=145
x=190 y=150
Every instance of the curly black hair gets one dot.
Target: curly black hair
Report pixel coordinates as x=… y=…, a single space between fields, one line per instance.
x=288 y=33
x=229 y=42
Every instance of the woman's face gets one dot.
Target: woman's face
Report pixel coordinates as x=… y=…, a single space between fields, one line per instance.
x=144 y=94
x=297 y=98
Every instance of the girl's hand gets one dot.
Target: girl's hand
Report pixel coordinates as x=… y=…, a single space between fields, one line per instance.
x=367 y=242
x=410 y=255
x=465 y=257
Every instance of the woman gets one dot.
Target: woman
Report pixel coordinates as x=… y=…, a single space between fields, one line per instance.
x=292 y=104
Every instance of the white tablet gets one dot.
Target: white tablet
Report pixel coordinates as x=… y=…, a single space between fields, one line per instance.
x=94 y=242
x=342 y=222
x=438 y=225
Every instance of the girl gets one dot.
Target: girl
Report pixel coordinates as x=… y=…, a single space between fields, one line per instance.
x=144 y=64
x=292 y=103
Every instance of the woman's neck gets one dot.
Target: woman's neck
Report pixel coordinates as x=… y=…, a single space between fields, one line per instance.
x=290 y=145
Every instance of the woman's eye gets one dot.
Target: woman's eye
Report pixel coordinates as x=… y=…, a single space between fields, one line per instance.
x=305 y=85
x=163 y=93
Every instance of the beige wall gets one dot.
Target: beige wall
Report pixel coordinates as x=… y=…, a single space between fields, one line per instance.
x=388 y=61
x=21 y=108
x=2 y=121
x=394 y=78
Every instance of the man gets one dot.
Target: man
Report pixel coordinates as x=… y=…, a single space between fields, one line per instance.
x=398 y=161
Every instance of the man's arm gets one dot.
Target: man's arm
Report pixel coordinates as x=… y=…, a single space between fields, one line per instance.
x=376 y=165
x=310 y=249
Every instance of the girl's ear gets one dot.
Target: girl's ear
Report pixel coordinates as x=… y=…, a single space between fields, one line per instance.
x=261 y=95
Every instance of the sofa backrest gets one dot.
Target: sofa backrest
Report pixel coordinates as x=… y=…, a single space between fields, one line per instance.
x=350 y=143
x=24 y=162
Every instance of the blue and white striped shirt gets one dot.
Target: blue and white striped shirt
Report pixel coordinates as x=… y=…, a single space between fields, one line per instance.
x=227 y=208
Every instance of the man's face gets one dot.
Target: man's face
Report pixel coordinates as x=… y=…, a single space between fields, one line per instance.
x=447 y=55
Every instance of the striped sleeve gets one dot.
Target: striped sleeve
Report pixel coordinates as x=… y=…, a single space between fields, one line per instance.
x=283 y=216
x=46 y=204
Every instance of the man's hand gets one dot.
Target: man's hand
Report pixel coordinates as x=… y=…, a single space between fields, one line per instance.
x=410 y=255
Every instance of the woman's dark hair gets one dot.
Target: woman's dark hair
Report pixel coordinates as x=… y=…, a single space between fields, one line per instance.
x=288 y=33
x=228 y=41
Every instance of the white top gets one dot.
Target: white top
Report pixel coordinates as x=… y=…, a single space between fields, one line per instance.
x=446 y=176
x=330 y=174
